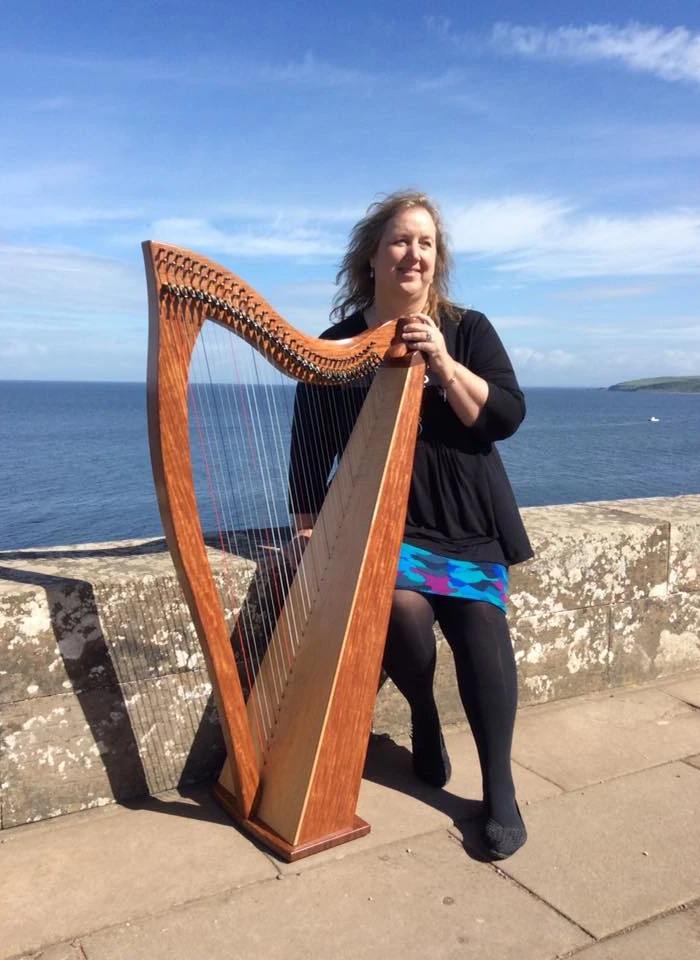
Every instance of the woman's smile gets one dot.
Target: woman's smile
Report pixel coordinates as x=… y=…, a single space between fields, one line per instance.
x=404 y=264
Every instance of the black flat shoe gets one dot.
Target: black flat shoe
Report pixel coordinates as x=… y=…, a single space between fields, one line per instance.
x=502 y=842
x=431 y=762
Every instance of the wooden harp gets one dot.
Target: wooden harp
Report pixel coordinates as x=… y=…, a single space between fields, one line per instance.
x=294 y=785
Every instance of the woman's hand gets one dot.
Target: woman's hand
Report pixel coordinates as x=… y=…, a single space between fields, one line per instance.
x=465 y=391
x=422 y=333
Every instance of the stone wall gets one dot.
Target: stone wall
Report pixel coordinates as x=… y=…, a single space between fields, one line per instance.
x=104 y=694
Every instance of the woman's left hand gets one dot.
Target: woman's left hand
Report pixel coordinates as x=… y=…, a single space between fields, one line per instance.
x=422 y=333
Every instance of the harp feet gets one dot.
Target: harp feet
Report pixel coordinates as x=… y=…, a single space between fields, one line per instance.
x=431 y=762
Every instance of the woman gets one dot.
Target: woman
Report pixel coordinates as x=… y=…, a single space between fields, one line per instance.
x=463 y=528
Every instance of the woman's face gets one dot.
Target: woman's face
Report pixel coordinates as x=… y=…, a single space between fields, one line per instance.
x=404 y=264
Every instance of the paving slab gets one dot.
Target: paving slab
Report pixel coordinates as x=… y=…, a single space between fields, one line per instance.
x=57 y=884
x=598 y=738
x=612 y=855
x=398 y=805
x=429 y=901
x=58 y=951
x=676 y=937
x=687 y=690
x=466 y=773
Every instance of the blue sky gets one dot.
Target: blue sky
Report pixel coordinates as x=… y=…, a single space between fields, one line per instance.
x=561 y=141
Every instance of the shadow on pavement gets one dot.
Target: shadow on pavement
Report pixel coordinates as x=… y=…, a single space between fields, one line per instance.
x=389 y=765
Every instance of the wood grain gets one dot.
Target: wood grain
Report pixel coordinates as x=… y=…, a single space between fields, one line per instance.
x=298 y=791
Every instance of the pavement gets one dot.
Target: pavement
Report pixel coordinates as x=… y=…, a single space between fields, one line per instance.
x=609 y=785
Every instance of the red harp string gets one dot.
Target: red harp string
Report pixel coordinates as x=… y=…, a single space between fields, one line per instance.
x=241 y=412
x=293 y=656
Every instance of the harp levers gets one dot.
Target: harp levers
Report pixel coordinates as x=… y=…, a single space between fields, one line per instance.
x=296 y=748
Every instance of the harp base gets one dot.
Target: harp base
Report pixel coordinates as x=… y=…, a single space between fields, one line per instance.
x=282 y=848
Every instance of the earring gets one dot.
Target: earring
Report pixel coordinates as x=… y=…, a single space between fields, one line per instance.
x=371 y=273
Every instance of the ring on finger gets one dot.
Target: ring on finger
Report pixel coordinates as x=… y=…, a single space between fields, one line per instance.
x=429 y=336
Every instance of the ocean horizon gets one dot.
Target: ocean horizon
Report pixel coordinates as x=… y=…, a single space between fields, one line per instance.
x=75 y=464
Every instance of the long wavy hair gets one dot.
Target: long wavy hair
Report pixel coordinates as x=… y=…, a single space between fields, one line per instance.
x=355 y=278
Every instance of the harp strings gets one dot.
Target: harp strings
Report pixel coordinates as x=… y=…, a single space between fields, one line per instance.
x=207 y=445
x=240 y=415
x=233 y=448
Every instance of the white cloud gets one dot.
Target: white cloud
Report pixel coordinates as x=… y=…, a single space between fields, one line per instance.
x=16 y=349
x=311 y=320
x=545 y=237
x=308 y=70
x=209 y=70
x=54 y=195
x=680 y=329
x=670 y=54
x=35 y=180
x=304 y=305
x=49 y=104
x=607 y=292
x=504 y=224
x=40 y=280
x=682 y=362
x=201 y=235
x=441 y=26
x=23 y=217
x=514 y=322
x=281 y=215
x=304 y=292
x=661 y=139
x=600 y=364
x=526 y=358
x=598 y=331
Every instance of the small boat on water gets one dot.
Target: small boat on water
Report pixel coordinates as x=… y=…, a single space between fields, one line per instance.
x=653 y=420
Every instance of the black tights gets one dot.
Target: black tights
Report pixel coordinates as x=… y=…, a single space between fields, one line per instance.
x=478 y=635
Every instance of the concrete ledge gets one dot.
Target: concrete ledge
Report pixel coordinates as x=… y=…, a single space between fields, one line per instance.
x=103 y=689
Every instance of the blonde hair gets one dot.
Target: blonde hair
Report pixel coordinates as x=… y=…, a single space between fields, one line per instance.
x=355 y=278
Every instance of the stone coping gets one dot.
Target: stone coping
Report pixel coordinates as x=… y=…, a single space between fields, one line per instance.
x=103 y=688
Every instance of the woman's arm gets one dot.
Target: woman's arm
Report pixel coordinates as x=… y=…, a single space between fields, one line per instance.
x=485 y=395
x=466 y=392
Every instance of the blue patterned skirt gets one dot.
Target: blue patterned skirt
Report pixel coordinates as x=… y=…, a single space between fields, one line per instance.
x=429 y=572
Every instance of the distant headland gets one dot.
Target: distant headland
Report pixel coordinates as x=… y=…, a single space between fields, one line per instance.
x=661 y=385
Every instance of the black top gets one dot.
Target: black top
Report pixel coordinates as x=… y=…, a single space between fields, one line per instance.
x=461 y=504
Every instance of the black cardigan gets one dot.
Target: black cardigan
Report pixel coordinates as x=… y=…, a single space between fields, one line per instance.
x=461 y=503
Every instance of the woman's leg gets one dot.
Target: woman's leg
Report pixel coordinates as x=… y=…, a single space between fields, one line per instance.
x=409 y=660
x=478 y=634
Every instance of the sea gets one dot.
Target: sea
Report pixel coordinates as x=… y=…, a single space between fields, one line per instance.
x=75 y=465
